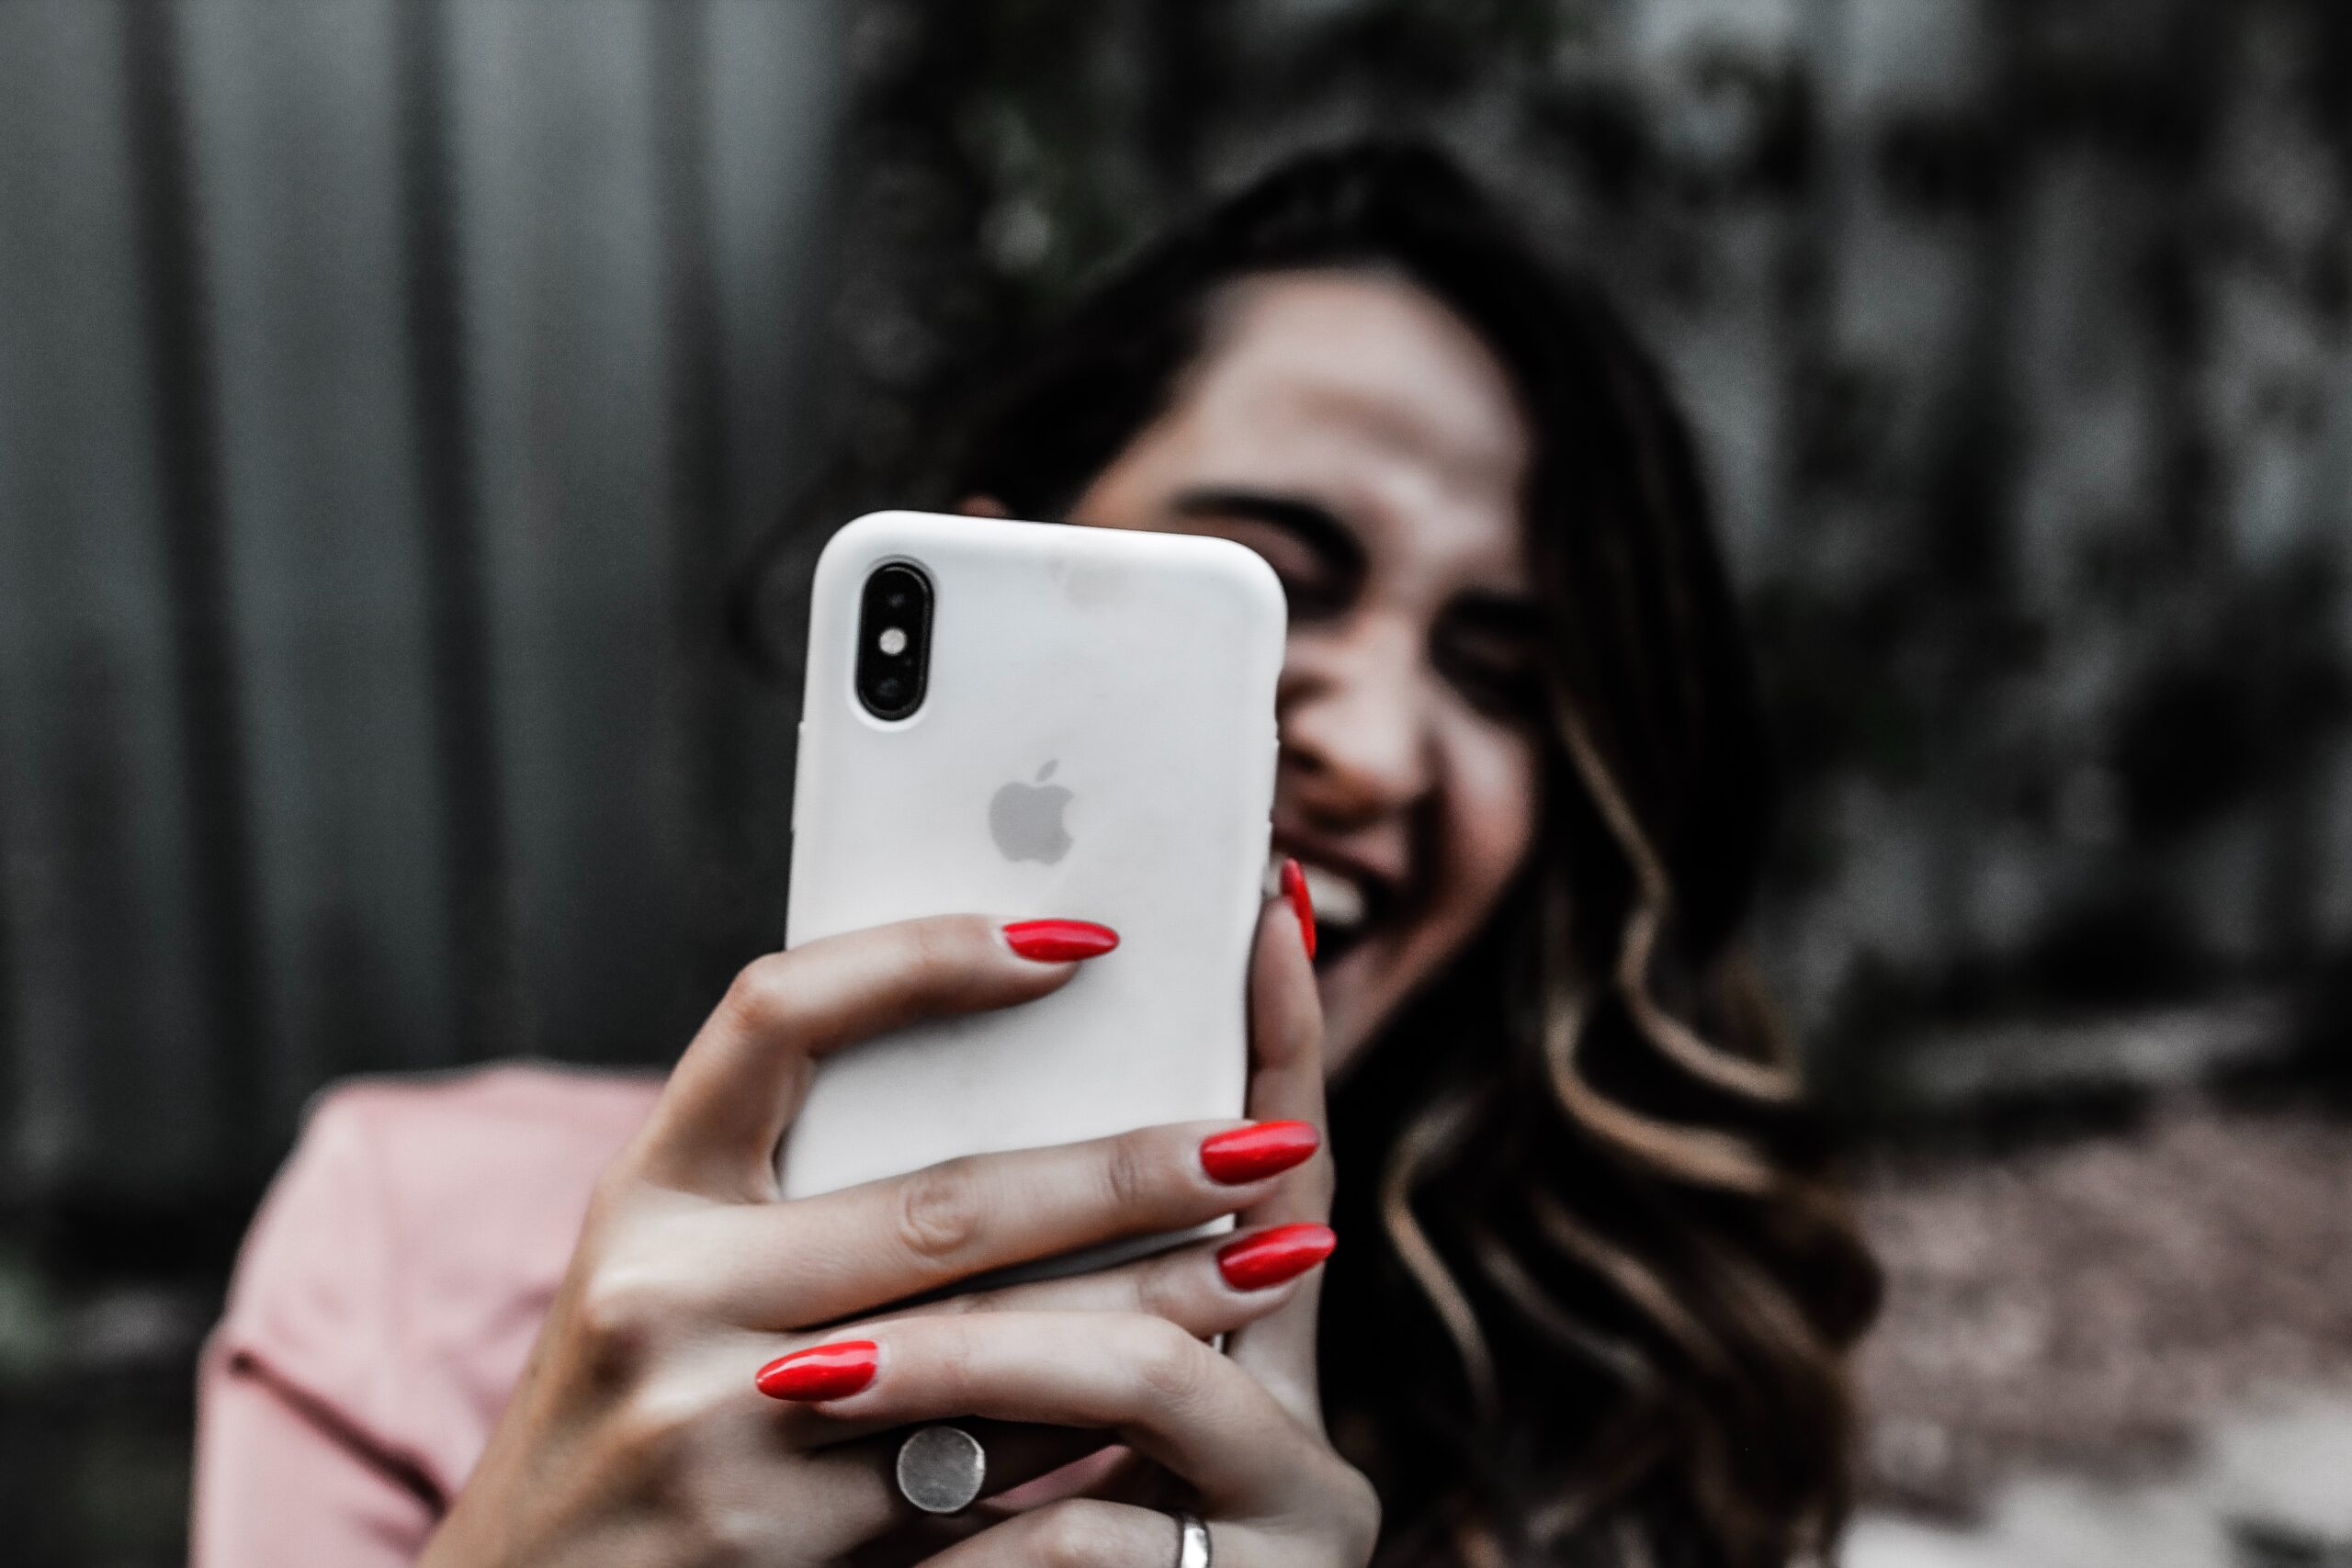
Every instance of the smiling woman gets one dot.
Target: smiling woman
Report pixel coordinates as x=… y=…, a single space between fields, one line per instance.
x=1601 y=1284
x=1357 y=435
x=1525 y=774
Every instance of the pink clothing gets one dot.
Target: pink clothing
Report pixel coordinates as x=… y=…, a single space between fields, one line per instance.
x=383 y=1305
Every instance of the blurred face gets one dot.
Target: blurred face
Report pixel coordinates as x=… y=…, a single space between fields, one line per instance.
x=1361 y=439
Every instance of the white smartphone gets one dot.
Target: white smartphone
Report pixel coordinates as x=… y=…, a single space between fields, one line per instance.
x=1029 y=720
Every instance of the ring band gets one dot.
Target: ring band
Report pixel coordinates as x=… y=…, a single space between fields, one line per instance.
x=940 y=1469
x=1191 y=1541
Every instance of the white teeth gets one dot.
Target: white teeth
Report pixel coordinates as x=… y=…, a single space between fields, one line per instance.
x=1339 y=902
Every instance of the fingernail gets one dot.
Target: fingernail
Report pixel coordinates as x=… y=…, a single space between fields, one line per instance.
x=1258 y=1262
x=1248 y=1154
x=1301 y=903
x=1059 y=942
x=821 y=1371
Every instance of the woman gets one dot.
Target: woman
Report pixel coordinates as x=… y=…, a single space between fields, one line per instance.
x=1597 y=1287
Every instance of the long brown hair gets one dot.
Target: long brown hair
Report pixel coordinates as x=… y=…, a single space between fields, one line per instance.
x=1607 y=1318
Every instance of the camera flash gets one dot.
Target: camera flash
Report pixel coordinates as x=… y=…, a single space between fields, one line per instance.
x=893 y=641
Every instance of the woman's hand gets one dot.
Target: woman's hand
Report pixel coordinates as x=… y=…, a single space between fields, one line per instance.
x=1239 y=1435
x=637 y=1436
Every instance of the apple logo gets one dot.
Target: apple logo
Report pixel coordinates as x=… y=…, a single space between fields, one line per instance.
x=1026 y=819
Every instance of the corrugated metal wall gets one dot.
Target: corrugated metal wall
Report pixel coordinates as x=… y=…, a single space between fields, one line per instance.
x=385 y=387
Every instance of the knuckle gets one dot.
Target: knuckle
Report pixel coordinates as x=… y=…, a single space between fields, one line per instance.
x=1357 y=1510
x=949 y=1358
x=728 y=1532
x=1306 y=1034
x=932 y=952
x=1170 y=1367
x=1074 y=1535
x=1158 y=1290
x=620 y=1310
x=1127 y=1170
x=649 y=1436
x=1318 y=1182
x=939 y=1212
x=978 y=1303
x=761 y=992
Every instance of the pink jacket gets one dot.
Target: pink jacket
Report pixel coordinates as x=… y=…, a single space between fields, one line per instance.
x=383 y=1305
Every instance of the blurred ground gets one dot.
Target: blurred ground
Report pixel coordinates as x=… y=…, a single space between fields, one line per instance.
x=2095 y=1305
x=2132 y=1346
x=2264 y=1486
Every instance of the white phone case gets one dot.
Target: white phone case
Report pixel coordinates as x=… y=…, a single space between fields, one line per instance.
x=1136 y=673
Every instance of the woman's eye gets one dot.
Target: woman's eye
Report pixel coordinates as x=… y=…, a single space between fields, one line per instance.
x=1503 y=681
x=1311 y=596
x=1314 y=587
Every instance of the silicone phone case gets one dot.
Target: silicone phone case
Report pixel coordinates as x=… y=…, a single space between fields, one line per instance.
x=1130 y=677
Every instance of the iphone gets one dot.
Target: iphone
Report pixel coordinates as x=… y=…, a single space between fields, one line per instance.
x=1026 y=720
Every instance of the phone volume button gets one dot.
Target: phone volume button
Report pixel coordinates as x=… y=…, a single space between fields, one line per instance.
x=799 y=737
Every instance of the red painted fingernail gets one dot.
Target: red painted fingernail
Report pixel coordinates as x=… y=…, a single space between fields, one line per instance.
x=821 y=1371
x=1302 y=904
x=1059 y=942
x=1248 y=1154
x=1258 y=1262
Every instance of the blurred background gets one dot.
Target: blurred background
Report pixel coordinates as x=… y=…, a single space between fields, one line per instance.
x=395 y=395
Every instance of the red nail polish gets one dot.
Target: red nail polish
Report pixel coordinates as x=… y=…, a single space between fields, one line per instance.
x=1059 y=942
x=1258 y=1262
x=821 y=1371
x=1301 y=903
x=1249 y=1154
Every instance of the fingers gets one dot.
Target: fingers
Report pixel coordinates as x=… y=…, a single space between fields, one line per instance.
x=740 y=1081
x=1205 y=1289
x=1081 y=1530
x=1286 y=1052
x=780 y=1266
x=1287 y=1080
x=1165 y=1393
x=859 y=1481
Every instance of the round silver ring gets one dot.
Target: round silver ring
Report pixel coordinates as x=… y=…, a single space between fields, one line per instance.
x=940 y=1469
x=1191 y=1541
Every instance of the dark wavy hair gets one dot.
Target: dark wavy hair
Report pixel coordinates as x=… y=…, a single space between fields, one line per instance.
x=1607 y=1315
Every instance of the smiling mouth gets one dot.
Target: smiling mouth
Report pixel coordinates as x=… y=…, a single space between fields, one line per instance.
x=1345 y=905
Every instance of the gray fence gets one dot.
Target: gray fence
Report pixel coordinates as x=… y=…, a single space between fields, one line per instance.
x=385 y=385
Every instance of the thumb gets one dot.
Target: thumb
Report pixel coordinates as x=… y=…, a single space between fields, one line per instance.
x=1286 y=1083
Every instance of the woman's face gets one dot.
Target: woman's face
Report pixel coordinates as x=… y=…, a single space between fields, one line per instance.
x=1358 y=435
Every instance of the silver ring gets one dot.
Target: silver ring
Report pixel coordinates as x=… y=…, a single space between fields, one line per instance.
x=942 y=1468
x=1191 y=1541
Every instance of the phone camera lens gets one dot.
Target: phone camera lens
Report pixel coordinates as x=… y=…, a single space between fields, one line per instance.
x=893 y=642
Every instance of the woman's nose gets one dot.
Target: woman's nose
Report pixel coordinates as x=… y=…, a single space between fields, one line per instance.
x=1355 y=725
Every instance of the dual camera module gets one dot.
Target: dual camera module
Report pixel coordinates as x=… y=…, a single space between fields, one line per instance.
x=893 y=641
